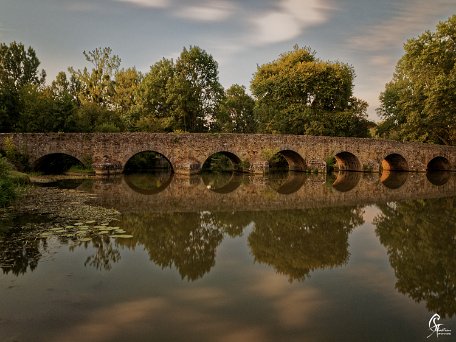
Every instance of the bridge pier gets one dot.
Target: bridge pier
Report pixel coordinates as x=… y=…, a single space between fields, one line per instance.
x=187 y=168
x=107 y=167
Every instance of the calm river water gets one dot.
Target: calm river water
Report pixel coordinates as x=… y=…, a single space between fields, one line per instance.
x=236 y=258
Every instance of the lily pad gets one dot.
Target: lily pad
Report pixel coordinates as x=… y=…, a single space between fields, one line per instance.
x=122 y=236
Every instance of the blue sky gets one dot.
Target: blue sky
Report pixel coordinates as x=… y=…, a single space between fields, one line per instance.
x=368 y=34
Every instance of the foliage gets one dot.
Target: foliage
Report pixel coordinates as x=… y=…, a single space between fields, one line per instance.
x=419 y=103
x=236 y=112
x=300 y=94
x=19 y=159
x=7 y=189
x=18 y=69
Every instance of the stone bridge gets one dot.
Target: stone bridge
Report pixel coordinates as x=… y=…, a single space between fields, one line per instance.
x=109 y=152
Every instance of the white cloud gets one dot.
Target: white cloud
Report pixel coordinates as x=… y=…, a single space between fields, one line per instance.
x=209 y=11
x=288 y=21
x=407 y=22
x=147 y=3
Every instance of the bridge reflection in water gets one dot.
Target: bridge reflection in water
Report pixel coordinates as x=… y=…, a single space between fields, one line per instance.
x=290 y=190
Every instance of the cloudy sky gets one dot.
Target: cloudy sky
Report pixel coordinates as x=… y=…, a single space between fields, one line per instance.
x=239 y=34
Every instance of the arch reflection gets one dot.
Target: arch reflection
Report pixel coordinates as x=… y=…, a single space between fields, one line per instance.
x=148 y=183
x=438 y=177
x=346 y=181
x=222 y=183
x=392 y=179
x=286 y=183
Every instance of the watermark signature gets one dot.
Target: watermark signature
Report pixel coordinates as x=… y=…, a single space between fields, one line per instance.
x=437 y=328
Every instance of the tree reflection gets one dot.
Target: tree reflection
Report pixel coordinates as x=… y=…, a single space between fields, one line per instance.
x=105 y=254
x=296 y=242
x=183 y=240
x=20 y=251
x=420 y=237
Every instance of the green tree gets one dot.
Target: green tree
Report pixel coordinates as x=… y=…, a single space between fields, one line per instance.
x=184 y=95
x=236 y=111
x=419 y=103
x=18 y=68
x=126 y=96
x=155 y=99
x=97 y=85
x=96 y=92
x=196 y=91
x=301 y=94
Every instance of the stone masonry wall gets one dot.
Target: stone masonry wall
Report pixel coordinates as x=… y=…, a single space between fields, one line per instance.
x=188 y=152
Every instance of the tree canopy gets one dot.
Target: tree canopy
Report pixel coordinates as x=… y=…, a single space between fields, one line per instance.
x=301 y=94
x=419 y=103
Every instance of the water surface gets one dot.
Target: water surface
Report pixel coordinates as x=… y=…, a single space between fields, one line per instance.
x=350 y=257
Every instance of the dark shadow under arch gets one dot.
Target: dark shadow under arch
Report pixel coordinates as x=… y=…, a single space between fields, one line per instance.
x=222 y=161
x=394 y=162
x=56 y=163
x=148 y=162
x=287 y=160
x=346 y=161
x=438 y=164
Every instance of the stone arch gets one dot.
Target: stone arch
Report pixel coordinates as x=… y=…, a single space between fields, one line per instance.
x=232 y=157
x=56 y=163
x=164 y=158
x=294 y=160
x=394 y=162
x=346 y=161
x=438 y=163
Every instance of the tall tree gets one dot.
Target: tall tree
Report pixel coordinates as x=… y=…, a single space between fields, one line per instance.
x=155 y=99
x=195 y=91
x=419 y=103
x=97 y=85
x=301 y=94
x=236 y=111
x=95 y=91
x=183 y=95
x=18 y=69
